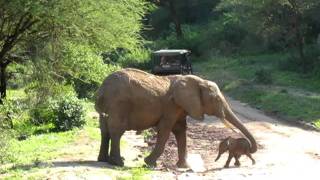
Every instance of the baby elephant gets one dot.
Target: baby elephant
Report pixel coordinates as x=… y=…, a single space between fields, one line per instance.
x=236 y=147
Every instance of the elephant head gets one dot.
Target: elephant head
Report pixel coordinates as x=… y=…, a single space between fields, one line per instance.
x=198 y=97
x=223 y=147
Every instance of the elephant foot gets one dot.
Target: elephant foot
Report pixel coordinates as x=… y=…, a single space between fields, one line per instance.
x=150 y=162
x=103 y=158
x=115 y=161
x=182 y=164
x=253 y=162
x=226 y=166
x=237 y=164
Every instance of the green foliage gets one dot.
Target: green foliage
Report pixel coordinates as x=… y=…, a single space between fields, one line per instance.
x=81 y=68
x=263 y=76
x=11 y=109
x=279 y=23
x=317 y=123
x=309 y=63
x=290 y=106
x=291 y=96
x=243 y=27
x=82 y=62
x=84 y=69
x=85 y=89
x=45 y=88
x=212 y=38
x=5 y=114
x=64 y=111
x=67 y=39
x=104 y=25
x=5 y=137
x=188 y=12
x=69 y=114
x=191 y=39
x=17 y=72
x=42 y=114
x=137 y=58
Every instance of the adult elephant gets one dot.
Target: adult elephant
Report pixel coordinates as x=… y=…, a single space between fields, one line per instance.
x=132 y=99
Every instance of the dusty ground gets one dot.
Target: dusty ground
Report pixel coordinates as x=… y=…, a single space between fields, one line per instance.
x=285 y=152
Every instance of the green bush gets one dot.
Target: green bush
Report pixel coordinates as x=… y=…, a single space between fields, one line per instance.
x=61 y=112
x=42 y=114
x=69 y=113
x=191 y=39
x=307 y=65
x=85 y=89
x=9 y=110
x=5 y=137
x=86 y=68
x=138 y=58
x=263 y=76
x=42 y=102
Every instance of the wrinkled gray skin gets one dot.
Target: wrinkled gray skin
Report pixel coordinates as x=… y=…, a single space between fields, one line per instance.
x=131 y=99
x=236 y=148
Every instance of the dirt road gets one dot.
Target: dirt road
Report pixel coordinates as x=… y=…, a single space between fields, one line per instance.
x=285 y=152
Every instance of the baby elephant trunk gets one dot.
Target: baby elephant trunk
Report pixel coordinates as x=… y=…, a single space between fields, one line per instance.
x=218 y=157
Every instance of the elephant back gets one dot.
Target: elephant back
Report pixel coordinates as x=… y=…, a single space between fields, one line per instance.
x=130 y=85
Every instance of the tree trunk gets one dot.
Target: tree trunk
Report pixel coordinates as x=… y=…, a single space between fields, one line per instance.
x=3 y=82
x=300 y=40
x=299 y=34
x=175 y=19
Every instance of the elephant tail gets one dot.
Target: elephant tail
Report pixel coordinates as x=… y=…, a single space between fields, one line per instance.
x=100 y=105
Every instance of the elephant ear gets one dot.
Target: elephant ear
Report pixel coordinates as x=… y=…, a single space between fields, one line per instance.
x=186 y=94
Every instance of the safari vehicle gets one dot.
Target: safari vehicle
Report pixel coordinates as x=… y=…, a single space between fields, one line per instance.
x=171 y=61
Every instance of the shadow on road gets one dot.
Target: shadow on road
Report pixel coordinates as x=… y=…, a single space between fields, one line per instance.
x=57 y=164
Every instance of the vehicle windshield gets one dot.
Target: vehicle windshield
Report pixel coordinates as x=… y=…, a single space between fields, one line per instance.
x=169 y=60
x=172 y=60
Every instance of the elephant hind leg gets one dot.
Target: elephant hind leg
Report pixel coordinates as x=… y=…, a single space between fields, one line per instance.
x=253 y=161
x=115 y=157
x=162 y=137
x=105 y=139
x=116 y=129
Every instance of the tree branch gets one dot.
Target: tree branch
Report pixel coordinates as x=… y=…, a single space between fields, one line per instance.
x=25 y=23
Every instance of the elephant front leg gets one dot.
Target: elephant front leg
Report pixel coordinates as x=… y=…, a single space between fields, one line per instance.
x=162 y=137
x=179 y=131
x=228 y=161
x=237 y=162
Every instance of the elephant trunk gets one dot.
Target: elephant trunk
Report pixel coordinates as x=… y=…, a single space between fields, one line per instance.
x=218 y=157
x=232 y=118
